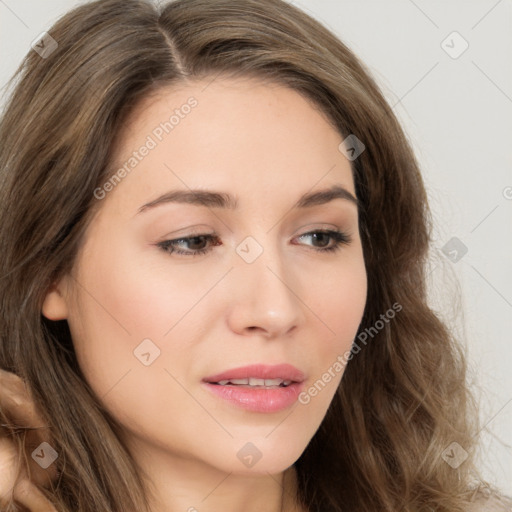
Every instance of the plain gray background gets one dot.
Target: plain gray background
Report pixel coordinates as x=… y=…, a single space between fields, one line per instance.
x=455 y=104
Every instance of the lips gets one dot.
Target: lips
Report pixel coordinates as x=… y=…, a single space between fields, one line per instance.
x=257 y=388
x=258 y=375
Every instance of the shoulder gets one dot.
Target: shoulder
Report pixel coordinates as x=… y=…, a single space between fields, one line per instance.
x=494 y=503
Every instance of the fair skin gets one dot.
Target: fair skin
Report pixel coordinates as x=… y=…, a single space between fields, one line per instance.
x=266 y=146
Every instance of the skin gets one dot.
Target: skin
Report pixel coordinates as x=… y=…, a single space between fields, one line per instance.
x=266 y=145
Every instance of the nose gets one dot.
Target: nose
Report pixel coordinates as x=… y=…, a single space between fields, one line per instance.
x=264 y=299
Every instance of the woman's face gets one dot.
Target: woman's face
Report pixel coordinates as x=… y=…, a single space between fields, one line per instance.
x=212 y=251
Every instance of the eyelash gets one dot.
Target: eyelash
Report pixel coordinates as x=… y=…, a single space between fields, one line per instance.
x=338 y=237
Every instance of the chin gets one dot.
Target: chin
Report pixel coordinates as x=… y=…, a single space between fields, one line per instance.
x=261 y=457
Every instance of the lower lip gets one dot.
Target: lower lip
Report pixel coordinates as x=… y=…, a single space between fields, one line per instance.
x=258 y=399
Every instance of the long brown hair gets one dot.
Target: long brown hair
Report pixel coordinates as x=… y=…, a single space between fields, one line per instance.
x=403 y=399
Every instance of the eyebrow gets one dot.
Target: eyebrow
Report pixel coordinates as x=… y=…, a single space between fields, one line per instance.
x=326 y=196
x=213 y=199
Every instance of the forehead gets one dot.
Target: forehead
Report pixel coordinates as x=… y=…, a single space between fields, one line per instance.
x=240 y=135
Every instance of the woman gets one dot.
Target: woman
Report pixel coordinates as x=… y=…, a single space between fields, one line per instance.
x=214 y=235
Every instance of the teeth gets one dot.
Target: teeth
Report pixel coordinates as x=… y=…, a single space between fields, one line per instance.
x=273 y=382
x=239 y=382
x=252 y=381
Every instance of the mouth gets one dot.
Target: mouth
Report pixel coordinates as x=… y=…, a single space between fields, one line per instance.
x=258 y=375
x=256 y=383
x=258 y=388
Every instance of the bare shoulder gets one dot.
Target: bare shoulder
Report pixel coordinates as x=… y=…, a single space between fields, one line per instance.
x=494 y=503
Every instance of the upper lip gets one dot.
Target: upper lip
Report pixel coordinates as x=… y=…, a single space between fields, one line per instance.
x=260 y=371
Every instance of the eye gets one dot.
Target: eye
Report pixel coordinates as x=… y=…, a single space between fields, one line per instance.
x=321 y=241
x=190 y=246
x=326 y=240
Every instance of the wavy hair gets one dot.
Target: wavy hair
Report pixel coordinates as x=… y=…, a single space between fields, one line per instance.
x=403 y=398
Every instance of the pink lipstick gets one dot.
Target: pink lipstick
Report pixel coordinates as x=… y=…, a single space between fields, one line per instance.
x=258 y=387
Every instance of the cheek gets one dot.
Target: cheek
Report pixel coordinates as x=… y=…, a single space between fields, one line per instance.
x=339 y=298
x=123 y=295
x=118 y=326
x=338 y=305
x=122 y=302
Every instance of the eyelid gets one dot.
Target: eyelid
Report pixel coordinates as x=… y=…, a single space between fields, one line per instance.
x=341 y=237
x=318 y=226
x=189 y=232
x=325 y=230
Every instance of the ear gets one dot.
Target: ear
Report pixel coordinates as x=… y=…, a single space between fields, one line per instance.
x=55 y=305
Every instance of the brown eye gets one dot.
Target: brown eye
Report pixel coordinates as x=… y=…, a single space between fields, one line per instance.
x=324 y=241
x=196 y=243
x=321 y=239
x=190 y=246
